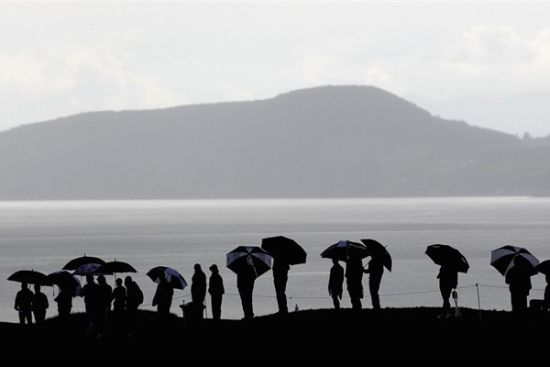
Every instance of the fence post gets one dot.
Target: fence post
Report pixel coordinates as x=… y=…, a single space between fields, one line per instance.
x=478 y=301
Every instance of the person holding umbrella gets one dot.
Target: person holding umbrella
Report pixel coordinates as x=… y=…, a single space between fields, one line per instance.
x=23 y=304
x=380 y=258
x=39 y=305
x=452 y=262
x=163 y=297
x=248 y=262
x=518 y=278
x=285 y=252
x=354 y=281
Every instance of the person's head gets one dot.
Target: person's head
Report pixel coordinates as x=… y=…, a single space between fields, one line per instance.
x=101 y=280
x=23 y=285
x=89 y=279
x=128 y=280
x=37 y=287
x=214 y=269
x=119 y=282
x=335 y=261
x=198 y=267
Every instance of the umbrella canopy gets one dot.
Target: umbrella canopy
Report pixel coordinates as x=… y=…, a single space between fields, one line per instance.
x=544 y=267
x=345 y=250
x=249 y=256
x=83 y=260
x=64 y=279
x=30 y=277
x=172 y=276
x=112 y=267
x=285 y=249
x=446 y=255
x=89 y=269
x=378 y=251
x=507 y=257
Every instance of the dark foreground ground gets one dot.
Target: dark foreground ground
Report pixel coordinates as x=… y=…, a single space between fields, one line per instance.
x=412 y=333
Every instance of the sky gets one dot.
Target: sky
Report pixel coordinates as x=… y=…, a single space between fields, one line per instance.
x=62 y=58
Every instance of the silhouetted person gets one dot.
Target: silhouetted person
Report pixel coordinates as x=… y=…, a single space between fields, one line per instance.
x=134 y=298
x=119 y=297
x=93 y=304
x=39 y=305
x=448 y=280
x=216 y=291
x=245 y=284
x=23 y=304
x=354 y=279
x=64 y=301
x=163 y=297
x=198 y=287
x=280 y=277
x=546 y=304
x=336 y=283
x=519 y=280
x=375 y=271
x=105 y=296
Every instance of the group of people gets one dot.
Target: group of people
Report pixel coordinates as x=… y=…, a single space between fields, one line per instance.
x=100 y=299
x=354 y=280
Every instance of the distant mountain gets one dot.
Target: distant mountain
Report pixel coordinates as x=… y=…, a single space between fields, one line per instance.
x=516 y=113
x=347 y=141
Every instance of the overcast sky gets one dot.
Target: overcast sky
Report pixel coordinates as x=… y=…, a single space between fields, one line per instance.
x=59 y=58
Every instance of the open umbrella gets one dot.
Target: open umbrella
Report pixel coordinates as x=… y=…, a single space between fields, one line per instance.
x=83 y=260
x=284 y=248
x=446 y=255
x=172 y=276
x=30 y=277
x=113 y=267
x=345 y=250
x=64 y=279
x=507 y=257
x=544 y=267
x=378 y=251
x=244 y=256
x=89 y=269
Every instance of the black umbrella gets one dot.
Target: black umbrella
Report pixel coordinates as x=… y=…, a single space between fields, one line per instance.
x=30 y=277
x=544 y=267
x=113 y=267
x=64 y=279
x=285 y=249
x=378 y=251
x=507 y=257
x=249 y=256
x=446 y=255
x=172 y=276
x=83 y=260
x=89 y=269
x=345 y=250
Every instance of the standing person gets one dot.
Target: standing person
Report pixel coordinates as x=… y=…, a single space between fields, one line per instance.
x=354 y=278
x=519 y=280
x=336 y=283
x=448 y=280
x=105 y=294
x=375 y=271
x=245 y=284
x=119 y=297
x=280 y=278
x=64 y=301
x=216 y=291
x=23 y=304
x=134 y=298
x=163 y=297
x=93 y=304
x=198 y=287
x=39 y=305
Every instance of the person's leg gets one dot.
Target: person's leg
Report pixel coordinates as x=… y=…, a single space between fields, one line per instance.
x=336 y=302
x=280 y=291
x=374 y=287
x=445 y=294
x=21 y=317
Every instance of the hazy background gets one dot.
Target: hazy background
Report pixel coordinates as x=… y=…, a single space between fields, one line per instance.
x=58 y=58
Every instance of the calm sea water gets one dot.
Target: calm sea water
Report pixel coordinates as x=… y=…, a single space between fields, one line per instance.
x=45 y=235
